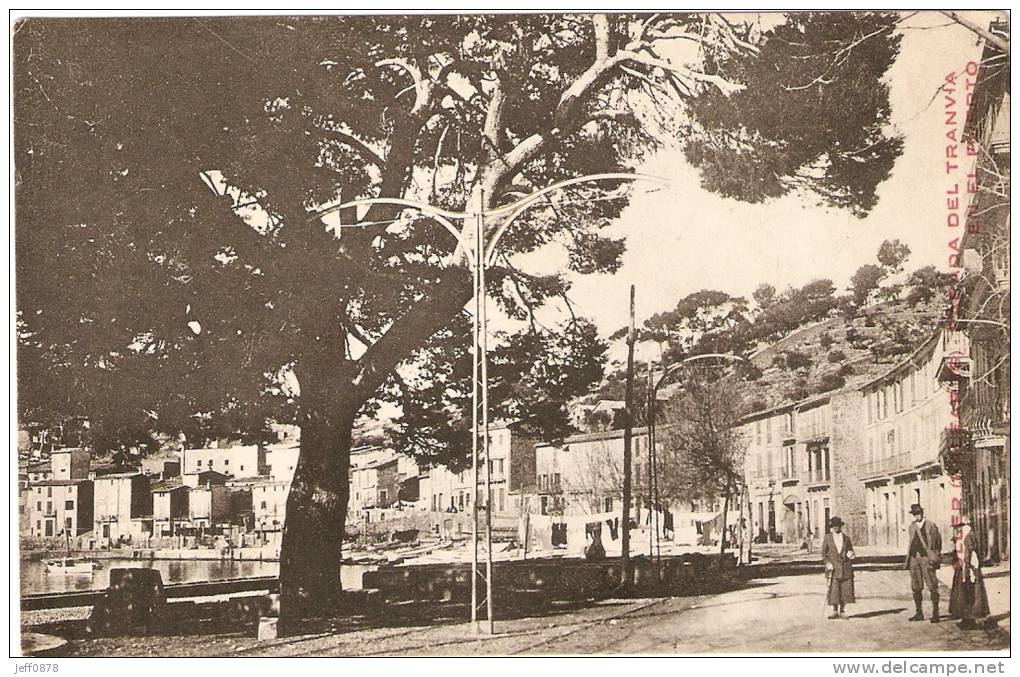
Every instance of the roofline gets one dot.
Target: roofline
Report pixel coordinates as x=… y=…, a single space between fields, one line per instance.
x=794 y=406
x=928 y=344
x=58 y=483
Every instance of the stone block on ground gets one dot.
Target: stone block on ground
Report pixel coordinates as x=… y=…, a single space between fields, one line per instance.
x=135 y=603
x=267 y=628
x=39 y=645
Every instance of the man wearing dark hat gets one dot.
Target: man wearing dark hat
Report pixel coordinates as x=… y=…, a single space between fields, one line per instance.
x=924 y=556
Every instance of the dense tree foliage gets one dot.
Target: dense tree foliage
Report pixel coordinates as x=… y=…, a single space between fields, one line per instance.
x=174 y=272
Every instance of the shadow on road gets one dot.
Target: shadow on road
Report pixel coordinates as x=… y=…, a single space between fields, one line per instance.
x=880 y=612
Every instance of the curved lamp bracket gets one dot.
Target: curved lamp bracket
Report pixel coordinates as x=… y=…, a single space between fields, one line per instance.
x=684 y=362
x=443 y=216
x=515 y=209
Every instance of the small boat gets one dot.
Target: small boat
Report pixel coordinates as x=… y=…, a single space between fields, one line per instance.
x=70 y=565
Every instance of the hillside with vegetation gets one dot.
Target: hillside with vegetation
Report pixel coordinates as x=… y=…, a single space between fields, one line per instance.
x=803 y=341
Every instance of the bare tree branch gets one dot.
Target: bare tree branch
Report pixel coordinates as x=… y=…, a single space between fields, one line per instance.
x=991 y=38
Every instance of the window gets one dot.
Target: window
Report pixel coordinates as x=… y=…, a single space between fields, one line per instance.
x=556 y=481
x=768 y=431
x=198 y=463
x=68 y=505
x=226 y=462
x=263 y=505
x=49 y=492
x=501 y=499
x=242 y=468
x=38 y=506
x=757 y=433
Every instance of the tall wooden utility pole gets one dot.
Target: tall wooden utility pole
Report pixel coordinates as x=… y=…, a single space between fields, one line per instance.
x=653 y=516
x=626 y=577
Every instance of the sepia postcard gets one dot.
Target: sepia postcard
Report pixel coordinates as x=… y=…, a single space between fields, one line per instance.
x=502 y=333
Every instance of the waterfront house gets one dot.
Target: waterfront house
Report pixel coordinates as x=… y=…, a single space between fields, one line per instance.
x=170 y=507
x=58 y=508
x=281 y=459
x=209 y=506
x=584 y=474
x=374 y=482
x=70 y=464
x=232 y=461
x=123 y=507
x=511 y=469
x=268 y=503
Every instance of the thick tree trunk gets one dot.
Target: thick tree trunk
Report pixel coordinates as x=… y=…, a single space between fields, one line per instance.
x=317 y=504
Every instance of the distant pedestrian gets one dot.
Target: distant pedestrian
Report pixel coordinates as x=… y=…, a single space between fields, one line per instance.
x=838 y=555
x=924 y=557
x=810 y=540
x=968 y=600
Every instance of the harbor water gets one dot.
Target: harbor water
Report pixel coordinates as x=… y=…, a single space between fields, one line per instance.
x=35 y=578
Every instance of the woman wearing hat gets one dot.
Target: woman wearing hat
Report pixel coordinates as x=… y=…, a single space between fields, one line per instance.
x=838 y=554
x=968 y=599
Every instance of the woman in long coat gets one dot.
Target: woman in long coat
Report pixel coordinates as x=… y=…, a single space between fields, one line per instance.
x=838 y=554
x=968 y=599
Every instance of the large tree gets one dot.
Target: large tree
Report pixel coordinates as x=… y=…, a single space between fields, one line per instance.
x=170 y=173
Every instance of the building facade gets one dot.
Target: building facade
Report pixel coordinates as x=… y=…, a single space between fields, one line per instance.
x=584 y=474
x=170 y=502
x=802 y=467
x=123 y=508
x=281 y=459
x=59 y=508
x=907 y=415
x=983 y=311
x=269 y=504
x=443 y=490
x=209 y=506
x=235 y=461
x=70 y=464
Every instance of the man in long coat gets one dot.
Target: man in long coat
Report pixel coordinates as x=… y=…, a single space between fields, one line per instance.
x=924 y=557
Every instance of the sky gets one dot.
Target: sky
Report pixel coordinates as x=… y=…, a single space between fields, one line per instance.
x=683 y=238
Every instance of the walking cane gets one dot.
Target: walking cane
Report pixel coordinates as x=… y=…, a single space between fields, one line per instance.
x=825 y=597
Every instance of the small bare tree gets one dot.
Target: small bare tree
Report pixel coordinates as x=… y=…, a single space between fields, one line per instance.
x=701 y=450
x=596 y=473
